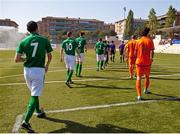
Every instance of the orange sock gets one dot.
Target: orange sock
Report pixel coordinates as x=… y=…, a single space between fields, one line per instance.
x=130 y=70
x=138 y=87
x=146 y=83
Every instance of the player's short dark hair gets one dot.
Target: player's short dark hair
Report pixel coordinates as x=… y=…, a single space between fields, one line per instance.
x=100 y=39
x=69 y=34
x=32 y=26
x=145 y=31
x=82 y=33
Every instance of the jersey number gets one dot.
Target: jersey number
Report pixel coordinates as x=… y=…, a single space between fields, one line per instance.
x=35 y=45
x=69 y=46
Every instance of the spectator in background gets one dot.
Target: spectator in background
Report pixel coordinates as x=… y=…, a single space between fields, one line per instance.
x=121 y=51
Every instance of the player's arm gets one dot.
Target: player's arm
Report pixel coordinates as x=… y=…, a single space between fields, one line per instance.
x=19 y=58
x=152 y=51
x=49 y=56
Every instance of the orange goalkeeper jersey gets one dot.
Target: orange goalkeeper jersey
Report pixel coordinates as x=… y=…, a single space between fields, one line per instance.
x=143 y=51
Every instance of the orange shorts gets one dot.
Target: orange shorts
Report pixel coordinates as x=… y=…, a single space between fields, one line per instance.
x=143 y=70
x=131 y=61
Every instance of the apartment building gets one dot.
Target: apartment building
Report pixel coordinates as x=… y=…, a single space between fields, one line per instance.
x=51 y=26
x=7 y=23
x=161 y=19
x=121 y=25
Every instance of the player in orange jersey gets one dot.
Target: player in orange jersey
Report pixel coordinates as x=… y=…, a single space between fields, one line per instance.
x=144 y=52
x=130 y=54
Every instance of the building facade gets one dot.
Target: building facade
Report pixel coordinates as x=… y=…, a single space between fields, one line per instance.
x=51 y=26
x=121 y=25
x=110 y=27
x=161 y=19
x=8 y=24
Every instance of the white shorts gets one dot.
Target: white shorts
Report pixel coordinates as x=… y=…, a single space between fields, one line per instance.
x=34 y=77
x=81 y=59
x=100 y=57
x=105 y=57
x=70 y=61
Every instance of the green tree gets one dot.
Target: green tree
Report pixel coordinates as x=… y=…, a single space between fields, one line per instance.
x=153 y=23
x=139 y=29
x=171 y=15
x=129 y=25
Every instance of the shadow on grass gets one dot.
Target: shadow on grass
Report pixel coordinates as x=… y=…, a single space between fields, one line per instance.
x=75 y=127
x=158 y=78
x=80 y=85
x=167 y=96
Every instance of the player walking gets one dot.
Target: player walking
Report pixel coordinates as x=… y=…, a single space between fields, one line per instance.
x=81 y=41
x=130 y=54
x=112 y=51
x=69 y=46
x=35 y=48
x=99 y=48
x=144 y=52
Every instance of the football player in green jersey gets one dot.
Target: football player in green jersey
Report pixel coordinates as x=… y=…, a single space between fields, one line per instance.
x=35 y=48
x=99 y=48
x=81 y=41
x=69 y=46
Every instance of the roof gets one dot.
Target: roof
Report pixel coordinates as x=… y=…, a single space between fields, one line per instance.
x=175 y=29
x=67 y=18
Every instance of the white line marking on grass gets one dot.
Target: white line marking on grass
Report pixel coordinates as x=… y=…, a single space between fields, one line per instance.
x=17 y=124
x=19 y=117
x=103 y=79
x=8 y=76
x=49 y=82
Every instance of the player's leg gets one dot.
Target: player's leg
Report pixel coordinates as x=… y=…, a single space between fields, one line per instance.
x=71 y=68
x=77 y=65
x=147 y=81
x=81 y=62
x=37 y=88
x=107 y=60
x=138 y=82
x=97 y=62
x=101 y=61
x=113 y=56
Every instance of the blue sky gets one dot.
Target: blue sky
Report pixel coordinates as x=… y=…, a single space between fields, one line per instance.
x=109 y=11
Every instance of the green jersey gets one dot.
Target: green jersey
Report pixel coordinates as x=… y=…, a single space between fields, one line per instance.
x=99 y=46
x=35 y=48
x=69 y=45
x=81 y=41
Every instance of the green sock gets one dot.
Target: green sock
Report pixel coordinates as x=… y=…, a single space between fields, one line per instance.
x=97 y=63
x=67 y=72
x=37 y=106
x=70 y=75
x=31 y=107
x=77 y=68
x=102 y=63
x=80 y=68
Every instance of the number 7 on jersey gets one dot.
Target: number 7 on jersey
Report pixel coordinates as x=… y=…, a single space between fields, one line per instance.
x=35 y=45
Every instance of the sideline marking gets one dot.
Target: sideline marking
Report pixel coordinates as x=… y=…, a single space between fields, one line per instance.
x=18 y=121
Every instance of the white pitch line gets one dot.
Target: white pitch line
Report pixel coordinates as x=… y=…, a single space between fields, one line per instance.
x=49 y=82
x=17 y=124
x=9 y=76
x=103 y=79
x=18 y=121
x=61 y=70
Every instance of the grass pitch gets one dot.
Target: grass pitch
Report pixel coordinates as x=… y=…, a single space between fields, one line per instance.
x=96 y=88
